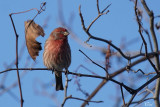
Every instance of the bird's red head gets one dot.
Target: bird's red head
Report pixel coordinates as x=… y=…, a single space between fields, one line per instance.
x=60 y=33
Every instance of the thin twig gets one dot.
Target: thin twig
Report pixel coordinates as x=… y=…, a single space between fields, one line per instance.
x=112 y=75
x=106 y=9
x=141 y=48
x=122 y=95
x=141 y=87
x=86 y=100
x=16 y=63
x=131 y=99
x=92 y=23
x=90 y=36
x=93 y=61
x=99 y=15
x=25 y=11
x=70 y=97
x=130 y=90
x=143 y=72
x=149 y=38
x=143 y=99
x=151 y=16
x=140 y=32
x=42 y=8
x=98 y=7
x=99 y=39
x=104 y=78
x=65 y=91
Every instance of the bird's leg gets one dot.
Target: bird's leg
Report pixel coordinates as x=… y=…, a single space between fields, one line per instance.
x=53 y=70
x=66 y=72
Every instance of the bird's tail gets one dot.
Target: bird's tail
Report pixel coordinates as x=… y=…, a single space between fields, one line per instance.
x=59 y=83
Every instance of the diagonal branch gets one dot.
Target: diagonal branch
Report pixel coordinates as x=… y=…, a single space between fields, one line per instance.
x=122 y=95
x=94 y=62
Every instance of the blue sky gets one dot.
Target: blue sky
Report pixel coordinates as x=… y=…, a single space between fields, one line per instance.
x=119 y=25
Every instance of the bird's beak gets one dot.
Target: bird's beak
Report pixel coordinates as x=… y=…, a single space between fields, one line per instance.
x=66 y=33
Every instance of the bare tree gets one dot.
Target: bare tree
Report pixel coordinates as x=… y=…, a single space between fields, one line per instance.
x=149 y=90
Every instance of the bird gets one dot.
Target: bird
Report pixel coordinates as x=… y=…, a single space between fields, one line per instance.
x=57 y=54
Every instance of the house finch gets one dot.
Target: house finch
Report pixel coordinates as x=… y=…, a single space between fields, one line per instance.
x=57 y=54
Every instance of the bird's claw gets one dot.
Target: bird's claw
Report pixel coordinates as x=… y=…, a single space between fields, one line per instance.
x=53 y=70
x=66 y=72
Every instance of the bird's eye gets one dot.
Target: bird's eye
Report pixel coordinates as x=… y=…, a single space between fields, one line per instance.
x=61 y=32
